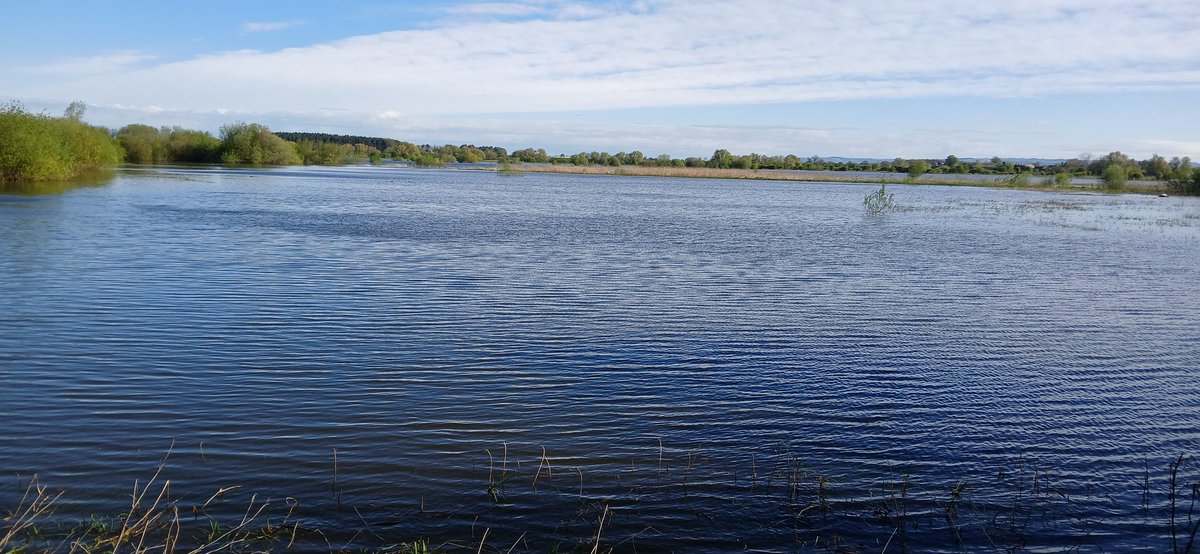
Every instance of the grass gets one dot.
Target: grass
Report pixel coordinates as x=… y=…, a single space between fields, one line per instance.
x=777 y=502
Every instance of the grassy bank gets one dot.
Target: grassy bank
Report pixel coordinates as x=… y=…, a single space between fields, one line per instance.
x=543 y=504
x=1022 y=182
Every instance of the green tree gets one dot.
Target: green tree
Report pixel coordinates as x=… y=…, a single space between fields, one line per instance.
x=1157 y=167
x=916 y=168
x=1114 y=177
x=190 y=145
x=721 y=159
x=75 y=111
x=142 y=144
x=252 y=143
x=1181 y=168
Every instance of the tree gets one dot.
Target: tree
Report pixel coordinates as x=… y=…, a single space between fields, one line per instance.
x=142 y=144
x=721 y=158
x=1157 y=167
x=75 y=111
x=916 y=168
x=1114 y=177
x=1181 y=168
x=252 y=143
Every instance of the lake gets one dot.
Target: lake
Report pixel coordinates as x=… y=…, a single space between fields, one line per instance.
x=533 y=361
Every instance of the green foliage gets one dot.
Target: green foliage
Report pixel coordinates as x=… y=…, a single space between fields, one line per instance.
x=144 y=144
x=721 y=159
x=1062 y=179
x=1018 y=180
x=429 y=160
x=252 y=143
x=1114 y=177
x=880 y=201
x=917 y=168
x=42 y=148
x=1186 y=185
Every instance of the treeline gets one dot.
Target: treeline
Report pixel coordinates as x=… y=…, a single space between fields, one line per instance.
x=252 y=143
x=1156 y=167
x=1114 y=169
x=38 y=147
x=377 y=148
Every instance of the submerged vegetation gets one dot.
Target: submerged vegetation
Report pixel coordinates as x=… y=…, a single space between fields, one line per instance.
x=880 y=201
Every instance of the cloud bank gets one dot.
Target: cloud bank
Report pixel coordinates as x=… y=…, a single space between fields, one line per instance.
x=523 y=57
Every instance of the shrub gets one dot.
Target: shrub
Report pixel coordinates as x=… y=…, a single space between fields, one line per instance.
x=879 y=202
x=252 y=143
x=43 y=148
x=1186 y=185
x=1114 y=177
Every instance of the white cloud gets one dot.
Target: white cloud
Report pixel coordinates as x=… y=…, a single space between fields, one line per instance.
x=269 y=26
x=562 y=57
x=699 y=53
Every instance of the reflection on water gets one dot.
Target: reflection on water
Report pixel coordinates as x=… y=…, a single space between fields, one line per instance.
x=94 y=179
x=720 y=364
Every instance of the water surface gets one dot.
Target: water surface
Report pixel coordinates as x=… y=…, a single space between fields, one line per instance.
x=708 y=359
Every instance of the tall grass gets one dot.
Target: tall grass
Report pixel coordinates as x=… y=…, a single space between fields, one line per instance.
x=38 y=147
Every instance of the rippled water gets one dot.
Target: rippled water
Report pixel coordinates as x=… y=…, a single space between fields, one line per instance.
x=721 y=364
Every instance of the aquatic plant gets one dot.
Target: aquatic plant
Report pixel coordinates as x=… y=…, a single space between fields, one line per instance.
x=1021 y=508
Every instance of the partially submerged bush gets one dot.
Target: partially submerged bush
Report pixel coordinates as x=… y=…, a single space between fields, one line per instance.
x=252 y=143
x=144 y=144
x=880 y=201
x=37 y=147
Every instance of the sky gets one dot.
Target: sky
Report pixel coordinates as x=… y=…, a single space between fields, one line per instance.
x=850 y=78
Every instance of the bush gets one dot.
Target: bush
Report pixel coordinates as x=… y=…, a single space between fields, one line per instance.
x=879 y=202
x=917 y=168
x=1186 y=185
x=252 y=143
x=44 y=148
x=1114 y=177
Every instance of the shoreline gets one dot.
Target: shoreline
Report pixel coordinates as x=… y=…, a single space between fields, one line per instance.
x=1030 y=182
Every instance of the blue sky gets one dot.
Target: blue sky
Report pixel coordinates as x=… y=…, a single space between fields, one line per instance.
x=859 y=78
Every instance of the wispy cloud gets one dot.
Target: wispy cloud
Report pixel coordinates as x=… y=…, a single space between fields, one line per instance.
x=269 y=26
x=103 y=64
x=493 y=9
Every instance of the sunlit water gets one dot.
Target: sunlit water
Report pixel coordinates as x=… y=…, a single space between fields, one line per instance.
x=721 y=364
